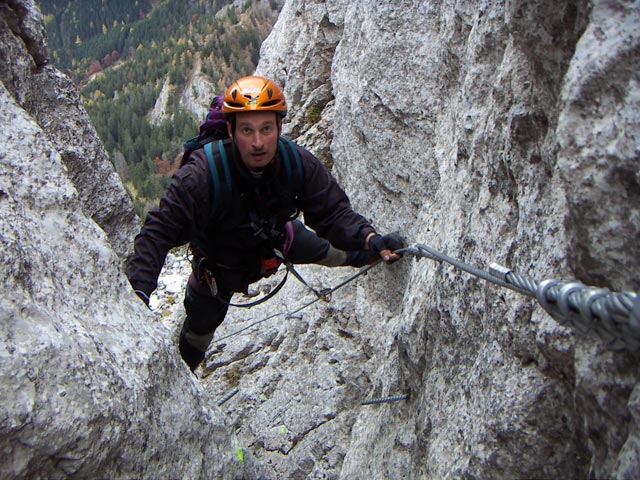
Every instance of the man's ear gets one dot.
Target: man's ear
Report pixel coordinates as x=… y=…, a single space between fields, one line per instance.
x=230 y=128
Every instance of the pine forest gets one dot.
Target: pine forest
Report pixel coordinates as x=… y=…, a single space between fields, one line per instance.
x=122 y=53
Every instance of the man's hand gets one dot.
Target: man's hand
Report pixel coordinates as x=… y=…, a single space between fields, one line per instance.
x=385 y=246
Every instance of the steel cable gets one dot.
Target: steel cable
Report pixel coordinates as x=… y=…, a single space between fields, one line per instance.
x=323 y=295
x=613 y=316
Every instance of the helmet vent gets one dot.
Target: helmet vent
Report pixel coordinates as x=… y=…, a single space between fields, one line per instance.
x=253 y=93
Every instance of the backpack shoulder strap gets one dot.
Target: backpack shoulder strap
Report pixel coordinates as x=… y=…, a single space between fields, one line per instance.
x=218 y=162
x=293 y=168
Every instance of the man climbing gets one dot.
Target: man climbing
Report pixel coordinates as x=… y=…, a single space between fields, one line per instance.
x=236 y=203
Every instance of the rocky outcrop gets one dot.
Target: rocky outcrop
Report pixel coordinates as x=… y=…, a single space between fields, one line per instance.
x=92 y=384
x=198 y=91
x=54 y=102
x=160 y=110
x=502 y=132
x=195 y=97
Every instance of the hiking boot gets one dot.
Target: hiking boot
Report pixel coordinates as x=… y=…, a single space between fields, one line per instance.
x=190 y=354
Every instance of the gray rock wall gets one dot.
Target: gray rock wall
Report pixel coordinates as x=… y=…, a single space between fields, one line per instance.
x=91 y=381
x=491 y=132
x=54 y=102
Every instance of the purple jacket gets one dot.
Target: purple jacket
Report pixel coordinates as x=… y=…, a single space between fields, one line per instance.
x=185 y=214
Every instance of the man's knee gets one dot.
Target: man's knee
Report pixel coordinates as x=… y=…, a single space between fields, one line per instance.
x=307 y=247
x=204 y=312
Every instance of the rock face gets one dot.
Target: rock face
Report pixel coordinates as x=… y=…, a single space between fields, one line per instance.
x=92 y=386
x=491 y=132
x=54 y=102
x=195 y=97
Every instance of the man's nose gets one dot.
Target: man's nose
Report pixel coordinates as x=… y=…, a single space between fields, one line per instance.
x=257 y=140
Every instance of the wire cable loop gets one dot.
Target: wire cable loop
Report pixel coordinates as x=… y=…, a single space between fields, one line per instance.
x=614 y=317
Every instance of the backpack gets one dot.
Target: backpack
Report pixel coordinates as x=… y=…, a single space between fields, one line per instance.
x=214 y=127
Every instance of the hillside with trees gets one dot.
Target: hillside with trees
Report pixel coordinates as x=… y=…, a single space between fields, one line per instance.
x=121 y=54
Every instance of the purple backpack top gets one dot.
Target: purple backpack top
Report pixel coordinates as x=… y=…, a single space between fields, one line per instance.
x=214 y=127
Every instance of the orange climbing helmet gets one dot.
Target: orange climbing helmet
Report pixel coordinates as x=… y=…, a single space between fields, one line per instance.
x=253 y=93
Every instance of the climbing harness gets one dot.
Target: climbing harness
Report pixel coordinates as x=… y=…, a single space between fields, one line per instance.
x=206 y=276
x=213 y=288
x=322 y=294
x=613 y=316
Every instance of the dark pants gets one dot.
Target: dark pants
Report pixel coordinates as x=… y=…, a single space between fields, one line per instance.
x=205 y=312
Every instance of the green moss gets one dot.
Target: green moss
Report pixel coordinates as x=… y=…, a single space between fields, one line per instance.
x=312 y=115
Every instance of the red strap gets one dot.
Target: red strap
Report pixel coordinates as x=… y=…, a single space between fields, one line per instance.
x=270 y=265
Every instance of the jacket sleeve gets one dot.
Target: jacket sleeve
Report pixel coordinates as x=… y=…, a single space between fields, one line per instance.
x=327 y=208
x=173 y=223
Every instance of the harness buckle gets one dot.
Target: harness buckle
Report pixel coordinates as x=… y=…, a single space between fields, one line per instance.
x=204 y=275
x=211 y=282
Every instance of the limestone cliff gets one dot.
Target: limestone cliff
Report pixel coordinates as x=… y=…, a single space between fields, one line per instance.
x=91 y=383
x=54 y=102
x=500 y=132
x=493 y=132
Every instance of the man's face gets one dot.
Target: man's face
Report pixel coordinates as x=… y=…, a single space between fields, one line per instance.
x=256 y=137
